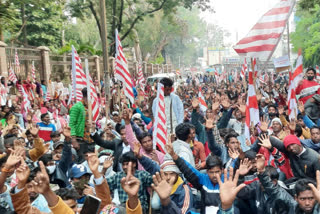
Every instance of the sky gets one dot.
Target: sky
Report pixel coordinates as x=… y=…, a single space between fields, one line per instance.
x=237 y=15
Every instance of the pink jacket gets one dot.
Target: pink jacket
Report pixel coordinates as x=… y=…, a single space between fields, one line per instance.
x=131 y=138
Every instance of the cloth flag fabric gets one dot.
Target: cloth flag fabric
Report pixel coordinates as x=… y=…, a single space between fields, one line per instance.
x=78 y=77
x=265 y=35
x=178 y=72
x=141 y=80
x=17 y=62
x=93 y=99
x=160 y=135
x=33 y=72
x=12 y=76
x=243 y=69
x=26 y=105
x=294 y=80
x=252 y=109
x=121 y=70
x=203 y=105
x=318 y=72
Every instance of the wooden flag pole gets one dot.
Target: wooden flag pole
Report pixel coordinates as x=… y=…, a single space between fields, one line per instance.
x=88 y=91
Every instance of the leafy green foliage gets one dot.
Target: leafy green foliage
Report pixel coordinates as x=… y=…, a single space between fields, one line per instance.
x=307 y=36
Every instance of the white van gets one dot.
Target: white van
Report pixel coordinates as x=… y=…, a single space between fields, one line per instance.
x=158 y=77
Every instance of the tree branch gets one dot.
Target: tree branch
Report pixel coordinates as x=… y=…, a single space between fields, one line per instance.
x=139 y=16
x=94 y=12
x=120 y=16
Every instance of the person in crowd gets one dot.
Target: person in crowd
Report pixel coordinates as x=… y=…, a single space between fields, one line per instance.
x=308 y=87
x=46 y=127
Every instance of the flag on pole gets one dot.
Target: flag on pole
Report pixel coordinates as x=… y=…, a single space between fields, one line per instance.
x=78 y=76
x=252 y=109
x=33 y=72
x=244 y=68
x=160 y=135
x=141 y=80
x=17 y=62
x=12 y=76
x=265 y=35
x=318 y=72
x=178 y=72
x=203 y=104
x=121 y=70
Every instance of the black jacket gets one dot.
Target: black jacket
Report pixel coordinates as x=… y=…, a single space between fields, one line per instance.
x=115 y=145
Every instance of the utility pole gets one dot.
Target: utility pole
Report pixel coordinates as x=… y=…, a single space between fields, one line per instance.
x=103 y=18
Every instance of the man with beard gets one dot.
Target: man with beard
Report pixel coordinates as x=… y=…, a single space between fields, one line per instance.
x=277 y=131
x=272 y=111
x=237 y=124
x=308 y=87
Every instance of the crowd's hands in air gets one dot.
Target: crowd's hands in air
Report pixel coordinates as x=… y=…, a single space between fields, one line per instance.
x=130 y=184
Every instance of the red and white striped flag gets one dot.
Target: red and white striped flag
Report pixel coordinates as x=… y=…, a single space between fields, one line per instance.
x=48 y=96
x=178 y=72
x=121 y=70
x=294 y=80
x=12 y=76
x=265 y=35
x=141 y=80
x=33 y=72
x=203 y=104
x=26 y=105
x=78 y=77
x=317 y=72
x=17 y=62
x=244 y=68
x=252 y=109
x=160 y=134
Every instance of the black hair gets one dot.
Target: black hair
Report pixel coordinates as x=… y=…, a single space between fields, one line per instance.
x=229 y=136
x=213 y=161
x=8 y=139
x=167 y=82
x=302 y=185
x=143 y=135
x=300 y=116
x=128 y=157
x=272 y=172
x=311 y=69
x=28 y=132
x=314 y=127
x=46 y=158
x=298 y=130
x=43 y=115
x=84 y=92
x=273 y=105
x=3 y=160
x=67 y=194
x=223 y=132
x=250 y=154
x=55 y=134
x=183 y=130
x=33 y=174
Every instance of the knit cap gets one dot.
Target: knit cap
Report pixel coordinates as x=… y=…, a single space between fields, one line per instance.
x=169 y=165
x=276 y=120
x=291 y=139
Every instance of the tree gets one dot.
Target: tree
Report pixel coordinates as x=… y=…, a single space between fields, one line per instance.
x=307 y=36
x=118 y=12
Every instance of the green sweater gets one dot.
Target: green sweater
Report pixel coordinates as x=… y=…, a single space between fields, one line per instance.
x=77 y=119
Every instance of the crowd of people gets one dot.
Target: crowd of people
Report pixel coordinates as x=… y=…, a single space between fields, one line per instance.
x=53 y=158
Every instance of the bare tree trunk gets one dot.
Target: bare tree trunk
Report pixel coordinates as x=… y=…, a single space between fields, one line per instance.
x=160 y=47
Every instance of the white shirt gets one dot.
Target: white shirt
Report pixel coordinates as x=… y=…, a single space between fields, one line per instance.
x=167 y=102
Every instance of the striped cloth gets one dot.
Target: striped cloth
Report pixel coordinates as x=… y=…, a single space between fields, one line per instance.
x=265 y=35
x=17 y=62
x=141 y=80
x=160 y=136
x=12 y=76
x=243 y=69
x=121 y=70
x=33 y=72
x=252 y=109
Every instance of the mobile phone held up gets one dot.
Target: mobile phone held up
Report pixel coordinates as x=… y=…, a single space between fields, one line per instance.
x=91 y=205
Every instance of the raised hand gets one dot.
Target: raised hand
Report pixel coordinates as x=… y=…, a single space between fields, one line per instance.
x=280 y=110
x=229 y=189
x=234 y=154
x=264 y=125
x=66 y=132
x=22 y=173
x=169 y=148
x=93 y=162
x=88 y=190
x=292 y=125
x=245 y=166
x=316 y=190
x=260 y=161
x=242 y=108
x=34 y=131
x=162 y=187
x=130 y=184
x=215 y=107
x=265 y=141
x=301 y=107
x=209 y=123
x=41 y=181
x=195 y=103
x=136 y=150
x=108 y=162
x=14 y=158
x=225 y=104
x=127 y=114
